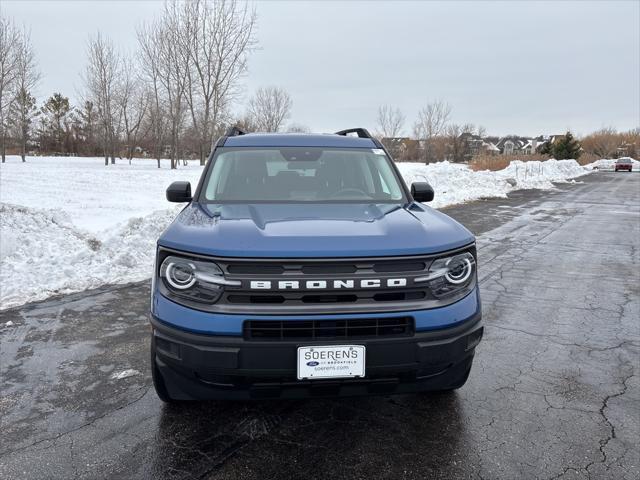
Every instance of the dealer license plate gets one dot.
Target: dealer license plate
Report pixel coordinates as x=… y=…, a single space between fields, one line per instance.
x=333 y=361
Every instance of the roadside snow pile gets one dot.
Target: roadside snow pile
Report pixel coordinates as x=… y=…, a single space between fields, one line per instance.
x=456 y=183
x=68 y=224
x=44 y=254
x=609 y=163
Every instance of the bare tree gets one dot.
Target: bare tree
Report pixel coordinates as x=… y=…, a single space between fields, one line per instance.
x=602 y=143
x=298 y=128
x=24 y=107
x=390 y=121
x=133 y=103
x=431 y=123
x=9 y=47
x=631 y=139
x=245 y=123
x=150 y=48
x=453 y=132
x=217 y=36
x=101 y=79
x=468 y=128
x=269 y=108
x=173 y=70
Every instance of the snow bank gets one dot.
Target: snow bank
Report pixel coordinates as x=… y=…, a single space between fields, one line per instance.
x=456 y=183
x=608 y=164
x=68 y=224
x=44 y=254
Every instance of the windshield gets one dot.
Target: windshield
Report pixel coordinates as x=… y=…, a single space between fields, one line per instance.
x=301 y=174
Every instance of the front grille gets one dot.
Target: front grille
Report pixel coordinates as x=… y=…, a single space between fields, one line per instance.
x=328 y=329
x=333 y=297
x=298 y=295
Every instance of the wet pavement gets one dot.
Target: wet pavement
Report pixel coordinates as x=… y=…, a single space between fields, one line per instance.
x=554 y=391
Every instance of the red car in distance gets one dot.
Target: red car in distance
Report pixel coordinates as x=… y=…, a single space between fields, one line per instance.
x=623 y=164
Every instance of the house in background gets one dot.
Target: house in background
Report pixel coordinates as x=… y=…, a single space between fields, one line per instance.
x=516 y=145
x=533 y=145
x=554 y=138
x=465 y=147
x=401 y=148
x=477 y=145
x=511 y=145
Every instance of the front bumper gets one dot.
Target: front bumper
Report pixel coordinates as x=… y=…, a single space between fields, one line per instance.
x=197 y=366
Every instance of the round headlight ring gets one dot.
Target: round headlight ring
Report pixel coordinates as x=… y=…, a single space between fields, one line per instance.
x=179 y=277
x=463 y=275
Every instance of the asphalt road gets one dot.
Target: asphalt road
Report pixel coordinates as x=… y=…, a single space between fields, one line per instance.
x=554 y=392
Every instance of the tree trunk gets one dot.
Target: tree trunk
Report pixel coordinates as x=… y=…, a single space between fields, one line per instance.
x=105 y=146
x=129 y=149
x=202 y=154
x=174 y=149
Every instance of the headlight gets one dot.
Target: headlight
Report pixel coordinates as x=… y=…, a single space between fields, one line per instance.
x=195 y=280
x=450 y=275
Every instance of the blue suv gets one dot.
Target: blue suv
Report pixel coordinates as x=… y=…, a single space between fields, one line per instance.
x=303 y=266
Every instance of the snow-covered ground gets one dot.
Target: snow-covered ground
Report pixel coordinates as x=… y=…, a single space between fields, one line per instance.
x=68 y=224
x=93 y=196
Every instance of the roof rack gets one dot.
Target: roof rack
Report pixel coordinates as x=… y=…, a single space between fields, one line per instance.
x=235 y=131
x=361 y=132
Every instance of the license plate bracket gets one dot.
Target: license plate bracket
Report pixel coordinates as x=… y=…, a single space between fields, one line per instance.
x=331 y=361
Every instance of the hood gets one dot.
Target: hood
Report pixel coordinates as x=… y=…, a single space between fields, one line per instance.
x=313 y=230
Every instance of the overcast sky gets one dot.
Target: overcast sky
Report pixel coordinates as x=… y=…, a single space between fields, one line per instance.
x=520 y=67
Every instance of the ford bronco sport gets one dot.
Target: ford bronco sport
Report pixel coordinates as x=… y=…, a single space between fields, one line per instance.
x=303 y=266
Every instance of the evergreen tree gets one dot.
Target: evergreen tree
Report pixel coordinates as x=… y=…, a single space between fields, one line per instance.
x=53 y=131
x=546 y=148
x=566 y=147
x=87 y=119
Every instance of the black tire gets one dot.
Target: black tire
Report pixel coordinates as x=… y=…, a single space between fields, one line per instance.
x=158 y=380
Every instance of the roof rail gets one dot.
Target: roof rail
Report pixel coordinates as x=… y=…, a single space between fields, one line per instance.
x=361 y=132
x=235 y=131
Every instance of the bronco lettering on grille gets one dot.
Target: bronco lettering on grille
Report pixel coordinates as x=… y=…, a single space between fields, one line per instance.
x=326 y=284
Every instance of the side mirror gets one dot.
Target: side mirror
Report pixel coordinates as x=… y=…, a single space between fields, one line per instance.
x=179 y=192
x=422 y=192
